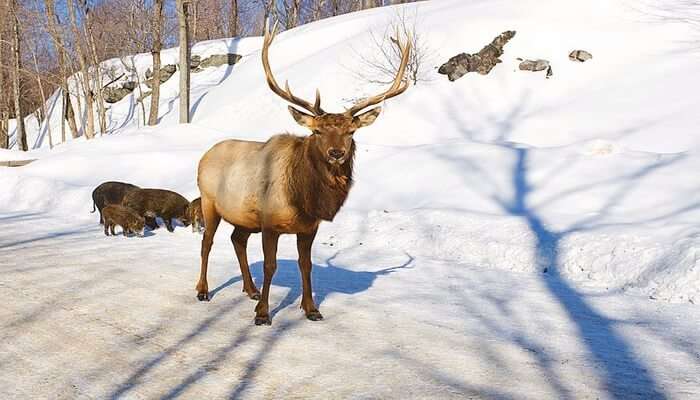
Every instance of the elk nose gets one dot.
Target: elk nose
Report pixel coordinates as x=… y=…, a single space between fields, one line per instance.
x=336 y=153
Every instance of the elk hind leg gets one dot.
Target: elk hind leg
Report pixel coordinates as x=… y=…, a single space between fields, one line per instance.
x=239 y=238
x=212 y=219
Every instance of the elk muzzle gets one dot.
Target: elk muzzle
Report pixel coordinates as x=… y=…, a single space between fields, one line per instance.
x=336 y=156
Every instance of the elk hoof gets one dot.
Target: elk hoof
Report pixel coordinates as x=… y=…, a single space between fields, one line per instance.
x=263 y=320
x=203 y=296
x=314 y=316
x=255 y=296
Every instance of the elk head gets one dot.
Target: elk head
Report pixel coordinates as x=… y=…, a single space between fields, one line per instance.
x=332 y=133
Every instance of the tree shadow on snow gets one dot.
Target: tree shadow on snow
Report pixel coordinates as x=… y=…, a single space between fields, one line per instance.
x=622 y=373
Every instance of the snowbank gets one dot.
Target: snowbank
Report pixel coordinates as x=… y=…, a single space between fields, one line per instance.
x=590 y=174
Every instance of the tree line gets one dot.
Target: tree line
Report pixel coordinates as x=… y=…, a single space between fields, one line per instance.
x=45 y=42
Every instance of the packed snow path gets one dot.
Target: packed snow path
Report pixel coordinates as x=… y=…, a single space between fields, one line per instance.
x=87 y=316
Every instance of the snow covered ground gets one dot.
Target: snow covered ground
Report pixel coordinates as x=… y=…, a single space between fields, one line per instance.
x=89 y=317
x=508 y=236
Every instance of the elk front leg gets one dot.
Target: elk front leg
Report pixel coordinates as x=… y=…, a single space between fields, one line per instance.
x=262 y=310
x=304 y=242
x=213 y=219
x=239 y=238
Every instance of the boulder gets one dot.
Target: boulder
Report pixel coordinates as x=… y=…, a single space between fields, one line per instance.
x=218 y=60
x=129 y=85
x=194 y=62
x=114 y=94
x=580 y=56
x=481 y=62
x=165 y=73
x=535 y=66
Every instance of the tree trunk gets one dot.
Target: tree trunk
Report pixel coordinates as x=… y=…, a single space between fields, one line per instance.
x=4 y=116
x=67 y=106
x=101 y=111
x=268 y=14
x=20 y=132
x=157 y=45
x=182 y=11
x=366 y=4
x=84 y=72
x=43 y=109
x=293 y=14
x=233 y=19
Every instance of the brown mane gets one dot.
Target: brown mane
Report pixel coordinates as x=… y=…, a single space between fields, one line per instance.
x=317 y=189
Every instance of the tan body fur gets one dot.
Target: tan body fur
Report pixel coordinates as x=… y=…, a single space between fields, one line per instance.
x=246 y=184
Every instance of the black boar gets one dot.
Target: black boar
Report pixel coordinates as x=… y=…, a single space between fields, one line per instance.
x=109 y=193
x=151 y=203
x=125 y=217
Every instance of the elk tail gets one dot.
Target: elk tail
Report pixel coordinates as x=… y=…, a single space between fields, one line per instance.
x=93 y=207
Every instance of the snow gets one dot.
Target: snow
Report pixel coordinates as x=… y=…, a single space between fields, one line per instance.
x=432 y=277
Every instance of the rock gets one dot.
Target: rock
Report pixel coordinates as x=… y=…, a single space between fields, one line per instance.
x=129 y=85
x=114 y=94
x=165 y=73
x=481 y=62
x=167 y=70
x=195 y=61
x=535 y=66
x=580 y=55
x=218 y=60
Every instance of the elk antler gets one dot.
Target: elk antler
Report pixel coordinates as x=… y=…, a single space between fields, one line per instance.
x=399 y=86
x=286 y=94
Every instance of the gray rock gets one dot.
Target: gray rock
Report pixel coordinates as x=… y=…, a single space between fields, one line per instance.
x=481 y=62
x=165 y=73
x=195 y=61
x=114 y=94
x=533 y=65
x=218 y=60
x=580 y=56
x=129 y=85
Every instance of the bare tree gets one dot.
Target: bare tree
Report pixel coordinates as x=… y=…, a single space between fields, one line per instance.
x=234 y=21
x=90 y=41
x=20 y=131
x=317 y=8
x=89 y=127
x=157 y=28
x=42 y=108
x=292 y=9
x=67 y=106
x=384 y=56
x=4 y=114
x=366 y=4
x=182 y=11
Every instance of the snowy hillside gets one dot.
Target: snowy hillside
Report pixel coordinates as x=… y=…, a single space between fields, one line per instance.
x=595 y=164
x=508 y=236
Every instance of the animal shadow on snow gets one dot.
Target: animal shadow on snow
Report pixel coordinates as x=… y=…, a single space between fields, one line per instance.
x=326 y=280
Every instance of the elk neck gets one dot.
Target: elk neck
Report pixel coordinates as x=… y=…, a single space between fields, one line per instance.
x=317 y=188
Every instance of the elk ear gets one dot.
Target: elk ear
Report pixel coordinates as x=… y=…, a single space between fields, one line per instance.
x=366 y=118
x=302 y=118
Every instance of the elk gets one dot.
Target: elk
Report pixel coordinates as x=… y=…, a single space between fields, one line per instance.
x=287 y=185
